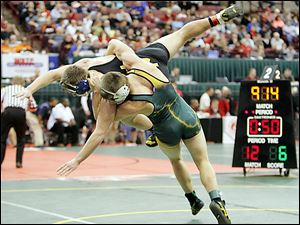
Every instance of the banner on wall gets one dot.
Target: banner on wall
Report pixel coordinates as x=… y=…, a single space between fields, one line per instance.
x=229 y=128
x=23 y=64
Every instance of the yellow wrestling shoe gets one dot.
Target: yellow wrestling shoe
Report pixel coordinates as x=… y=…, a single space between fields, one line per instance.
x=231 y=12
x=151 y=141
x=219 y=211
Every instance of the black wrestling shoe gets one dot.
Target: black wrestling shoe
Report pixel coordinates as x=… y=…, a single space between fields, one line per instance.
x=219 y=211
x=19 y=165
x=151 y=141
x=231 y=12
x=197 y=206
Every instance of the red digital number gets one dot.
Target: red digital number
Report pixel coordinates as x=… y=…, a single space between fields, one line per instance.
x=251 y=152
x=275 y=126
x=253 y=126
x=265 y=126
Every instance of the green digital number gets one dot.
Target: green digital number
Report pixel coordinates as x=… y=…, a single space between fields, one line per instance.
x=282 y=155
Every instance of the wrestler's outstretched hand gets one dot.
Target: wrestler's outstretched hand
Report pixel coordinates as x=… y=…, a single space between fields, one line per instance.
x=67 y=168
x=24 y=94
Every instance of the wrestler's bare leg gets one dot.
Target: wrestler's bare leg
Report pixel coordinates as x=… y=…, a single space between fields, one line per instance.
x=182 y=175
x=173 y=42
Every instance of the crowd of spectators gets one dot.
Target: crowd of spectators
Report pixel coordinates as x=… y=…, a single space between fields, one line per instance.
x=215 y=103
x=11 y=41
x=84 y=28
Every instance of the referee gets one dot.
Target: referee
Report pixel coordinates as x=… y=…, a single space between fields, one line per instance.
x=13 y=115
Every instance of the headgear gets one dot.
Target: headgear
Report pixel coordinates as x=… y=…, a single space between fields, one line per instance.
x=120 y=95
x=82 y=88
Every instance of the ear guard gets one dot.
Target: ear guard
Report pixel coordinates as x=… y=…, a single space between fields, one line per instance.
x=82 y=88
x=120 y=95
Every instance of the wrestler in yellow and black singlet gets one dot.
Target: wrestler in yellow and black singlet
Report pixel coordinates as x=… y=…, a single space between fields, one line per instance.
x=155 y=53
x=173 y=119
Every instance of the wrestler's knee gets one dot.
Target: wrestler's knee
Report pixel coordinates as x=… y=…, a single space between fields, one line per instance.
x=176 y=162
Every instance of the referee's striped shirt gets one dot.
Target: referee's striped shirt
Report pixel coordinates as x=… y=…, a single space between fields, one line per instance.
x=9 y=100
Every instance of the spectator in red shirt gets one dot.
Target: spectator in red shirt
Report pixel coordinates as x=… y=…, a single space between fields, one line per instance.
x=240 y=50
x=214 y=108
x=224 y=102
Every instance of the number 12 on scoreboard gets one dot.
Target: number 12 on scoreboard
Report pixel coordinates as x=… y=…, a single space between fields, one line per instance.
x=252 y=153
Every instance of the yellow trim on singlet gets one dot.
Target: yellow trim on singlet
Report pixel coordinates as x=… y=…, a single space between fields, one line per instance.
x=149 y=61
x=197 y=124
x=176 y=117
x=157 y=83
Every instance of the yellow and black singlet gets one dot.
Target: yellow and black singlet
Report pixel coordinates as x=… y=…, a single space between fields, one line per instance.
x=155 y=53
x=173 y=119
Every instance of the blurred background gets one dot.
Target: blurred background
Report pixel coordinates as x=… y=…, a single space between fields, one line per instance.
x=37 y=36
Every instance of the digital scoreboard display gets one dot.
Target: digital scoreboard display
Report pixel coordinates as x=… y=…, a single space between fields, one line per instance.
x=265 y=131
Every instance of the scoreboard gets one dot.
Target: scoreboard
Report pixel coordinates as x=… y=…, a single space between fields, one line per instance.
x=265 y=129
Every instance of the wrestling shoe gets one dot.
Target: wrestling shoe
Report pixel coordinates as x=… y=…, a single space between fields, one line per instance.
x=219 y=211
x=19 y=165
x=197 y=206
x=151 y=141
x=231 y=12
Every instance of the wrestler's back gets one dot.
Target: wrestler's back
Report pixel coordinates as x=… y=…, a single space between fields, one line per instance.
x=156 y=54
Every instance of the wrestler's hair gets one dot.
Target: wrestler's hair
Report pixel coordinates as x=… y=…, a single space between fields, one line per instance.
x=112 y=81
x=73 y=74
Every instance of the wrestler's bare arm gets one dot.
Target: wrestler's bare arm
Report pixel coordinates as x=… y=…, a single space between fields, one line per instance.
x=139 y=121
x=131 y=60
x=96 y=103
x=48 y=78
x=105 y=118
x=123 y=52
